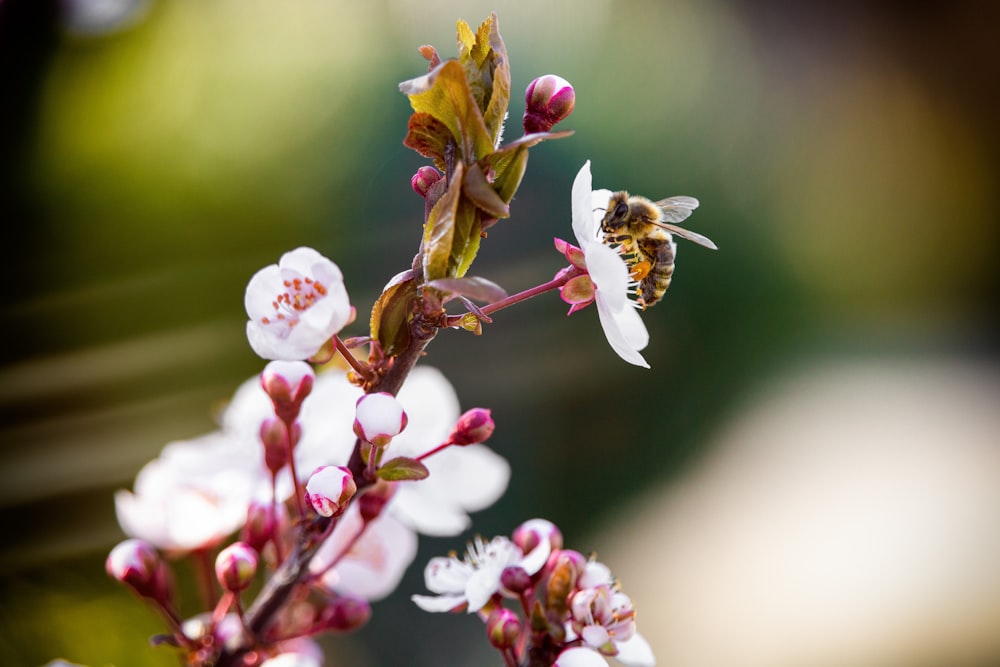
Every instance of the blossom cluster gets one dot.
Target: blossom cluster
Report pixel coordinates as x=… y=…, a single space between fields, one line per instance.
x=325 y=467
x=571 y=611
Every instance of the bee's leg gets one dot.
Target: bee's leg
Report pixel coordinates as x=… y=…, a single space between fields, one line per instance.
x=640 y=270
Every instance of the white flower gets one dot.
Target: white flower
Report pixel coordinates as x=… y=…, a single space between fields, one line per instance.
x=374 y=563
x=603 y=618
x=621 y=323
x=296 y=305
x=194 y=494
x=472 y=581
x=462 y=479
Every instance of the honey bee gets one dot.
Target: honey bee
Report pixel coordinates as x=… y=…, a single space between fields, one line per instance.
x=642 y=230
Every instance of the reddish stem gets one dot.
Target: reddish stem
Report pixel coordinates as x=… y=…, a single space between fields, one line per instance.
x=561 y=279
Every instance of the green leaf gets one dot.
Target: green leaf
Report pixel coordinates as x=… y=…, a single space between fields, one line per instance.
x=439 y=230
x=496 y=109
x=510 y=161
x=474 y=287
x=444 y=94
x=468 y=235
x=483 y=194
x=390 y=320
x=402 y=469
x=484 y=58
x=471 y=323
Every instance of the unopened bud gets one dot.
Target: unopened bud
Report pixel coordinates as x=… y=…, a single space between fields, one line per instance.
x=329 y=489
x=287 y=383
x=235 y=566
x=274 y=436
x=565 y=568
x=503 y=628
x=261 y=525
x=475 y=425
x=343 y=614
x=375 y=498
x=379 y=417
x=424 y=179
x=530 y=533
x=549 y=99
x=136 y=564
x=515 y=580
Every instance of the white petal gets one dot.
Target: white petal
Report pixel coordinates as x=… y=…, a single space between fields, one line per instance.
x=625 y=332
x=595 y=635
x=481 y=586
x=427 y=511
x=447 y=575
x=599 y=205
x=583 y=216
x=595 y=574
x=535 y=559
x=472 y=477
x=441 y=603
x=580 y=657
x=636 y=652
x=609 y=273
x=377 y=562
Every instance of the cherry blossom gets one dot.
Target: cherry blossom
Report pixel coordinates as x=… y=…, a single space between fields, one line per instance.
x=194 y=494
x=472 y=581
x=608 y=283
x=296 y=305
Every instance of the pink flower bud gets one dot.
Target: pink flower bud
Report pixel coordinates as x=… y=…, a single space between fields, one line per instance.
x=261 y=525
x=235 y=566
x=549 y=99
x=379 y=418
x=329 y=489
x=503 y=628
x=474 y=426
x=530 y=533
x=515 y=580
x=287 y=383
x=424 y=179
x=274 y=436
x=375 y=498
x=136 y=564
x=343 y=614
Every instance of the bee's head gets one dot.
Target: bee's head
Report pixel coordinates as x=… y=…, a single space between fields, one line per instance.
x=616 y=213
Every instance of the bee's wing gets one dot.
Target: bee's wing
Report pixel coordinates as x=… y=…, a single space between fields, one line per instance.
x=688 y=234
x=677 y=209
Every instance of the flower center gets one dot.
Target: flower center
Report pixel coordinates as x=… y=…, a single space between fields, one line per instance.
x=300 y=295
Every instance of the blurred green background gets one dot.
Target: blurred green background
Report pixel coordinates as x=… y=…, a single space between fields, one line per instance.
x=156 y=154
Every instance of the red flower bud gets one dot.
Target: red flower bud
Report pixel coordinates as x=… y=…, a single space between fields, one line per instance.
x=235 y=566
x=424 y=179
x=287 y=383
x=503 y=628
x=329 y=490
x=136 y=564
x=549 y=99
x=474 y=426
